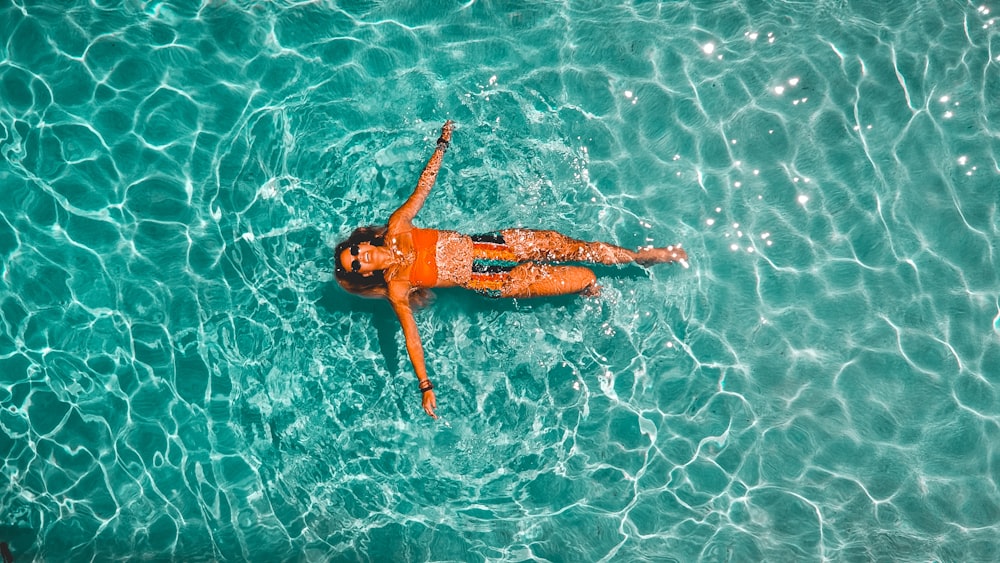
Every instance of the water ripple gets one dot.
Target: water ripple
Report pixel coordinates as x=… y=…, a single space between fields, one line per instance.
x=180 y=378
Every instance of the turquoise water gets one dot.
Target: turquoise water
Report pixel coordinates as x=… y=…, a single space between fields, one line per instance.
x=181 y=379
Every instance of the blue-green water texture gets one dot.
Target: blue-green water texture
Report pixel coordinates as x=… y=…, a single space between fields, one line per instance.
x=181 y=378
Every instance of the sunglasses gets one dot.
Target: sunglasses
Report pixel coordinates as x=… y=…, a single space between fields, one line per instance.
x=356 y=264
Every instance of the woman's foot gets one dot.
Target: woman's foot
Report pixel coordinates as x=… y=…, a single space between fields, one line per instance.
x=647 y=256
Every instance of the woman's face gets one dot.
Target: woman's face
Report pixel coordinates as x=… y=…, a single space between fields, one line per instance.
x=363 y=258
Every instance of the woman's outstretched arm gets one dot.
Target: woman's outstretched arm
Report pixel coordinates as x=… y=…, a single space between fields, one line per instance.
x=399 y=298
x=403 y=216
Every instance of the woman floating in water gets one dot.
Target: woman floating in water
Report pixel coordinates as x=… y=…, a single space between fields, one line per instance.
x=401 y=262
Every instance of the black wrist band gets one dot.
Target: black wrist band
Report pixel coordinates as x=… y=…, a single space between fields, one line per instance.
x=442 y=141
x=426 y=385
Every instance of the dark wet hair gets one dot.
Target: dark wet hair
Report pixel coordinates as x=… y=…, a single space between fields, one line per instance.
x=373 y=285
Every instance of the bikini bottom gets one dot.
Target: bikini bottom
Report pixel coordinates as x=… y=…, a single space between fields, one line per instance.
x=492 y=262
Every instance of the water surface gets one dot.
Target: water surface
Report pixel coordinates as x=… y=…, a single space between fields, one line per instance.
x=181 y=379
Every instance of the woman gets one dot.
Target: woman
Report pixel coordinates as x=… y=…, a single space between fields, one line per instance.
x=401 y=262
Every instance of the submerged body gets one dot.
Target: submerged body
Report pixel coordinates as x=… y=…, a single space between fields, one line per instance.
x=400 y=260
x=481 y=263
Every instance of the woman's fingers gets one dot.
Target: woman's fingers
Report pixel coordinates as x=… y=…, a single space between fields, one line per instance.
x=430 y=403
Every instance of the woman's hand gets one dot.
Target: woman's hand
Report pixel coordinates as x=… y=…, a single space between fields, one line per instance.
x=430 y=403
x=446 y=132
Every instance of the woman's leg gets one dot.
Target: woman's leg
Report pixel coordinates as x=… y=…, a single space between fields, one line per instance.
x=552 y=246
x=544 y=280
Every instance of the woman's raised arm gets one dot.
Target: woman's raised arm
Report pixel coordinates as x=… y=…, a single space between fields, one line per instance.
x=402 y=218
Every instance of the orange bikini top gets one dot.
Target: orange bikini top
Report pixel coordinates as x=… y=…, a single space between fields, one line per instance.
x=424 y=272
